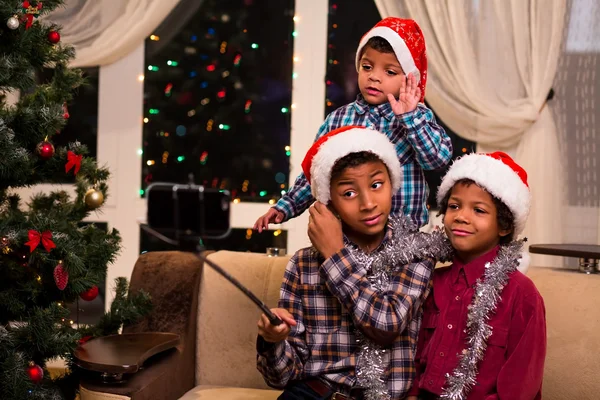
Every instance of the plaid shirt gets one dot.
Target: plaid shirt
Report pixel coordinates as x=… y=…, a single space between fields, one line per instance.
x=329 y=299
x=421 y=144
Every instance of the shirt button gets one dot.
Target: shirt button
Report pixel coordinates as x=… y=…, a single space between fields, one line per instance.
x=449 y=326
x=442 y=354
x=457 y=298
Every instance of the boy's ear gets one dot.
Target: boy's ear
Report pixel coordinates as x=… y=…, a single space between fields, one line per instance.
x=505 y=232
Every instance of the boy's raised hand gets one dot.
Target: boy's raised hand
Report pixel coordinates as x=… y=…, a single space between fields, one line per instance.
x=324 y=230
x=276 y=333
x=409 y=96
x=271 y=217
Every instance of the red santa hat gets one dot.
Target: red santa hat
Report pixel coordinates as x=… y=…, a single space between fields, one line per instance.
x=498 y=174
x=408 y=42
x=328 y=149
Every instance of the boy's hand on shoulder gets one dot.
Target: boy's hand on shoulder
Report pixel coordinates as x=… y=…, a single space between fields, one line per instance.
x=273 y=216
x=408 y=98
x=276 y=333
x=325 y=230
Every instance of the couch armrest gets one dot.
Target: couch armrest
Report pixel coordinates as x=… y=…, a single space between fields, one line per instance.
x=172 y=279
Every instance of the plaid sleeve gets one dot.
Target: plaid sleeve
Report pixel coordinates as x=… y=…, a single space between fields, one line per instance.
x=430 y=141
x=300 y=197
x=284 y=361
x=296 y=200
x=381 y=312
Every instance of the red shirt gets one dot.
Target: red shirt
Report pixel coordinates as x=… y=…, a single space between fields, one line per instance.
x=513 y=365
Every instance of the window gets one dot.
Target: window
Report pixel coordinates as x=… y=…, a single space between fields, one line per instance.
x=217 y=98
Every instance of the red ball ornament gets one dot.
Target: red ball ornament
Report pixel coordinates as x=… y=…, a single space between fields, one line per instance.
x=45 y=150
x=89 y=294
x=54 y=37
x=35 y=372
x=84 y=339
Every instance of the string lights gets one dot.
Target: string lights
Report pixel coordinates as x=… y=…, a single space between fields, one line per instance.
x=207 y=98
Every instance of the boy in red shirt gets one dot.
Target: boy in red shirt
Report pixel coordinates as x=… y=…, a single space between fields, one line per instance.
x=483 y=335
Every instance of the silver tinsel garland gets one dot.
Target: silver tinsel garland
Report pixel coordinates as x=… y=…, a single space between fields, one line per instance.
x=486 y=297
x=406 y=245
x=371 y=362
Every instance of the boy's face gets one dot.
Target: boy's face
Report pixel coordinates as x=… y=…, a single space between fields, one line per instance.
x=471 y=221
x=362 y=197
x=379 y=74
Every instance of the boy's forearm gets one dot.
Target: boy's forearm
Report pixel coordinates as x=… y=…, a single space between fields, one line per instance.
x=430 y=141
x=296 y=200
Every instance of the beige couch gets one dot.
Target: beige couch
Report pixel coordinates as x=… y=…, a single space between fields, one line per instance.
x=225 y=330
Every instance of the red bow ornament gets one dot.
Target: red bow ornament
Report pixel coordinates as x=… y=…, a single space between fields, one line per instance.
x=36 y=237
x=73 y=161
x=31 y=12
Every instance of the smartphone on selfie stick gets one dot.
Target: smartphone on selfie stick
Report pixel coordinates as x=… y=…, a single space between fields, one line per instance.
x=185 y=214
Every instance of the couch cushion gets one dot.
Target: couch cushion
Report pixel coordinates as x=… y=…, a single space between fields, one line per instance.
x=226 y=347
x=572 y=323
x=219 y=393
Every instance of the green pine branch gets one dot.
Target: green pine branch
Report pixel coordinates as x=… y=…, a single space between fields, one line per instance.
x=34 y=322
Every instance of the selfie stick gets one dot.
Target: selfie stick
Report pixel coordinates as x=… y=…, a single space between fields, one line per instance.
x=273 y=319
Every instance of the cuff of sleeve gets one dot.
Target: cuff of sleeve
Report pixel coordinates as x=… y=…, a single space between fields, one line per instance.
x=265 y=348
x=414 y=390
x=408 y=119
x=281 y=210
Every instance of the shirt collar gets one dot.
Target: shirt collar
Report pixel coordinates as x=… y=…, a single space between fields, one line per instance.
x=384 y=110
x=474 y=269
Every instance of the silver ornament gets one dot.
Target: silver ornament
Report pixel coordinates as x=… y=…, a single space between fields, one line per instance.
x=12 y=23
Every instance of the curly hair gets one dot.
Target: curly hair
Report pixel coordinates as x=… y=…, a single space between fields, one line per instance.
x=379 y=44
x=353 y=160
x=505 y=217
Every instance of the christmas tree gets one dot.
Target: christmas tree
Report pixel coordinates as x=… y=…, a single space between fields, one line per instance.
x=48 y=258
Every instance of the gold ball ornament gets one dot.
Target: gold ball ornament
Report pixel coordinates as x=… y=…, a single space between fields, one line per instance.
x=93 y=198
x=13 y=22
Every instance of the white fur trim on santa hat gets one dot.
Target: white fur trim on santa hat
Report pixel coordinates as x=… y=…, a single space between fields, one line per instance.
x=351 y=141
x=401 y=50
x=500 y=180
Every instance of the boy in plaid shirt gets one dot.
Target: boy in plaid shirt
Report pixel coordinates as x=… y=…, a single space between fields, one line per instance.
x=391 y=61
x=329 y=299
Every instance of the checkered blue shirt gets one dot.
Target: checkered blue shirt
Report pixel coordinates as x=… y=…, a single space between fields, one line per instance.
x=329 y=300
x=421 y=144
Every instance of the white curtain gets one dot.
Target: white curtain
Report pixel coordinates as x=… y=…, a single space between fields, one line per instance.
x=103 y=31
x=491 y=66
